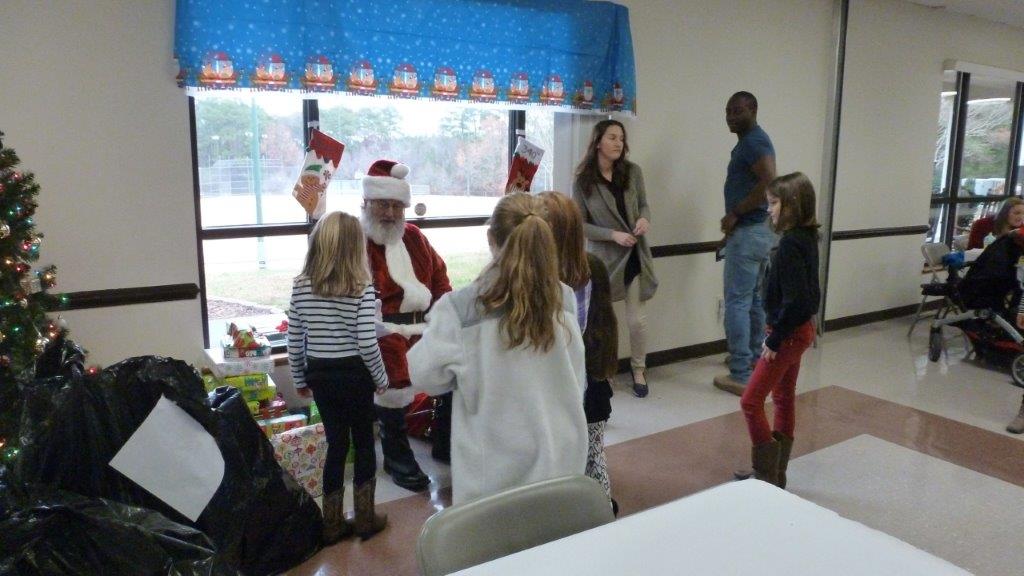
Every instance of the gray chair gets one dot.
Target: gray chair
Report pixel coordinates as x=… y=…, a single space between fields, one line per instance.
x=494 y=526
x=936 y=287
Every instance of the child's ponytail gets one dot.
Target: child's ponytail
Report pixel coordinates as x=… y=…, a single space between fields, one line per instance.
x=525 y=287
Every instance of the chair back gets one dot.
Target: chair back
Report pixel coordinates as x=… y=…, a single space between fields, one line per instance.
x=933 y=253
x=979 y=229
x=501 y=524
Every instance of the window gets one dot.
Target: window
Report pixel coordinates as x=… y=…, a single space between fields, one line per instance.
x=249 y=148
x=978 y=135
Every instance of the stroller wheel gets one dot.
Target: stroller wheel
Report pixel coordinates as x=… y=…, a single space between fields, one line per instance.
x=935 y=345
x=1017 y=370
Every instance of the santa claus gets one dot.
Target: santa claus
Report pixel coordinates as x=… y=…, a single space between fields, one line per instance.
x=409 y=277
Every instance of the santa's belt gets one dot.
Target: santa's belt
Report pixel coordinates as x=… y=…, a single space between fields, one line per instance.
x=405 y=318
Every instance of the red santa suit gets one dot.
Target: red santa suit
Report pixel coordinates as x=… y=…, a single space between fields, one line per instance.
x=409 y=277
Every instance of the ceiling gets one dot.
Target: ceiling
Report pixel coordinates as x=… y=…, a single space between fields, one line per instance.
x=1005 y=11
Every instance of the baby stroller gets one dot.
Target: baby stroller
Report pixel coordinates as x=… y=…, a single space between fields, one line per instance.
x=984 y=306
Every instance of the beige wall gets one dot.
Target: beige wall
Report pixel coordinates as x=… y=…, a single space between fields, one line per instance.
x=87 y=99
x=894 y=65
x=691 y=56
x=89 y=102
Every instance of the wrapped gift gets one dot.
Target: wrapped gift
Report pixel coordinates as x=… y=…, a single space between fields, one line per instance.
x=282 y=424
x=211 y=382
x=248 y=381
x=244 y=343
x=301 y=452
x=260 y=395
x=225 y=367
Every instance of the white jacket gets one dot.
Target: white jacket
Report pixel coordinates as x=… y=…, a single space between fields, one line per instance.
x=517 y=415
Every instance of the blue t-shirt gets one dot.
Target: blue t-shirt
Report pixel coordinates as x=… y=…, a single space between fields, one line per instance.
x=740 y=179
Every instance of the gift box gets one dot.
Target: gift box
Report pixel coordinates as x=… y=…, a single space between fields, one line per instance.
x=225 y=367
x=211 y=382
x=248 y=381
x=282 y=424
x=301 y=452
x=261 y=395
x=244 y=343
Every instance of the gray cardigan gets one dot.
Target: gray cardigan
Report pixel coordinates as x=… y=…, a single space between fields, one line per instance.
x=601 y=218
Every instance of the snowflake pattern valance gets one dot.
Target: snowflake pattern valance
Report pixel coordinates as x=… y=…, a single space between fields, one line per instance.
x=575 y=54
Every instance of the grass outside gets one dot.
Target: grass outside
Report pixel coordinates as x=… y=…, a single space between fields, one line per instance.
x=274 y=287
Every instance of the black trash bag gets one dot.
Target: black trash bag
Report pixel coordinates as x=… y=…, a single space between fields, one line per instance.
x=260 y=519
x=62 y=357
x=64 y=533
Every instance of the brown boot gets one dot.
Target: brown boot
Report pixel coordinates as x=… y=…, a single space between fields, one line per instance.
x=765 y=458
x=1017 y=425
x=336 y=527
x=368 y=522
x=785 y=447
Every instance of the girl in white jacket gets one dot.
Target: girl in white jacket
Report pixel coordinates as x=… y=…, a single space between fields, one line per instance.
x=510 y=348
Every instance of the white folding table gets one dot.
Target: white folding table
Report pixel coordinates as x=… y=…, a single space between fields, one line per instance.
x=747 y=527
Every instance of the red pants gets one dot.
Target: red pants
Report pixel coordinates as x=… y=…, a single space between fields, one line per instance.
x=779 y=378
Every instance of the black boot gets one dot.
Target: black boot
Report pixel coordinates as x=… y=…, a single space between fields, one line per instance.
x=399 y=460
x=785 y=448
x=442 y=431
x=765 y=459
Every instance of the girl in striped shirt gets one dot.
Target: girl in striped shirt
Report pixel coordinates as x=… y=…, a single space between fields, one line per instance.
x=333 y=354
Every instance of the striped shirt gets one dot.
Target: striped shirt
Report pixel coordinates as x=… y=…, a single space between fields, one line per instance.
x=332 y=327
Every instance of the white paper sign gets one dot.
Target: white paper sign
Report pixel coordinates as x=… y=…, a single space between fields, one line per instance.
x=173 y=458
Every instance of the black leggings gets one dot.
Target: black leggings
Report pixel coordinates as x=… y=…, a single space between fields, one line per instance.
x=343 y=391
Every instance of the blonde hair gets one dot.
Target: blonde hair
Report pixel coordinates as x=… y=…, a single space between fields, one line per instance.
x=796 y=196
x=336 y=262
x=566 y=222
x=1001 y=224
x=525 y=287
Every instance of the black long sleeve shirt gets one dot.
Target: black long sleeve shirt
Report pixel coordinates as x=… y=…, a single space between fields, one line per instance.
x=792 y=292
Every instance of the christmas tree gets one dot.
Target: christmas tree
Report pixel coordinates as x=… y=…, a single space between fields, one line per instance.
x=25 y=329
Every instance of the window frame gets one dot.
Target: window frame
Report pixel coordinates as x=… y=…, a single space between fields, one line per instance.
x=310 y=120
x=951 y=199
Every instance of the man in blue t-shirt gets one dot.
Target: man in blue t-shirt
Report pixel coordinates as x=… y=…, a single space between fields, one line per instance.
x=748 y=239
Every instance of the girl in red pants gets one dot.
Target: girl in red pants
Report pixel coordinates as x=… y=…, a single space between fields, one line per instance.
x=791 y=300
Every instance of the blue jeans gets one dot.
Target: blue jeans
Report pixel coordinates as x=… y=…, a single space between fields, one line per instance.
x=746 y=256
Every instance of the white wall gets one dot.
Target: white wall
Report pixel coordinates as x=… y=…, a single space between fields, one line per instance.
x=691 y=56
x=87 y=99
x=894 y=64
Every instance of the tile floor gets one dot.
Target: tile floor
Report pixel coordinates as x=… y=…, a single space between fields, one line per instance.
x=884 y=437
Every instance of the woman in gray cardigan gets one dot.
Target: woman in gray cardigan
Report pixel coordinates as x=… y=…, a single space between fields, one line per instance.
x=610 y=192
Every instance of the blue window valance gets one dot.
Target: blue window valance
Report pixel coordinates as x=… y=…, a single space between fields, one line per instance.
x=575 y=54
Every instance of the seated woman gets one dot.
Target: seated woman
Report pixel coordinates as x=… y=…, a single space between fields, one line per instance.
x=510 y=348
x=987 y=228
x=996 y=281
x=993 y=276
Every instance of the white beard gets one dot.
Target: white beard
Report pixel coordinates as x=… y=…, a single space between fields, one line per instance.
x=416 y=297
x=379 y=232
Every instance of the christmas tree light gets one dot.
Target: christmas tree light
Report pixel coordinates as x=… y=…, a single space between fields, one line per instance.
x=25 y=329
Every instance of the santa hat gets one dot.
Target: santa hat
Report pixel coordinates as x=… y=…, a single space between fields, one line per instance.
x=386 y=181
